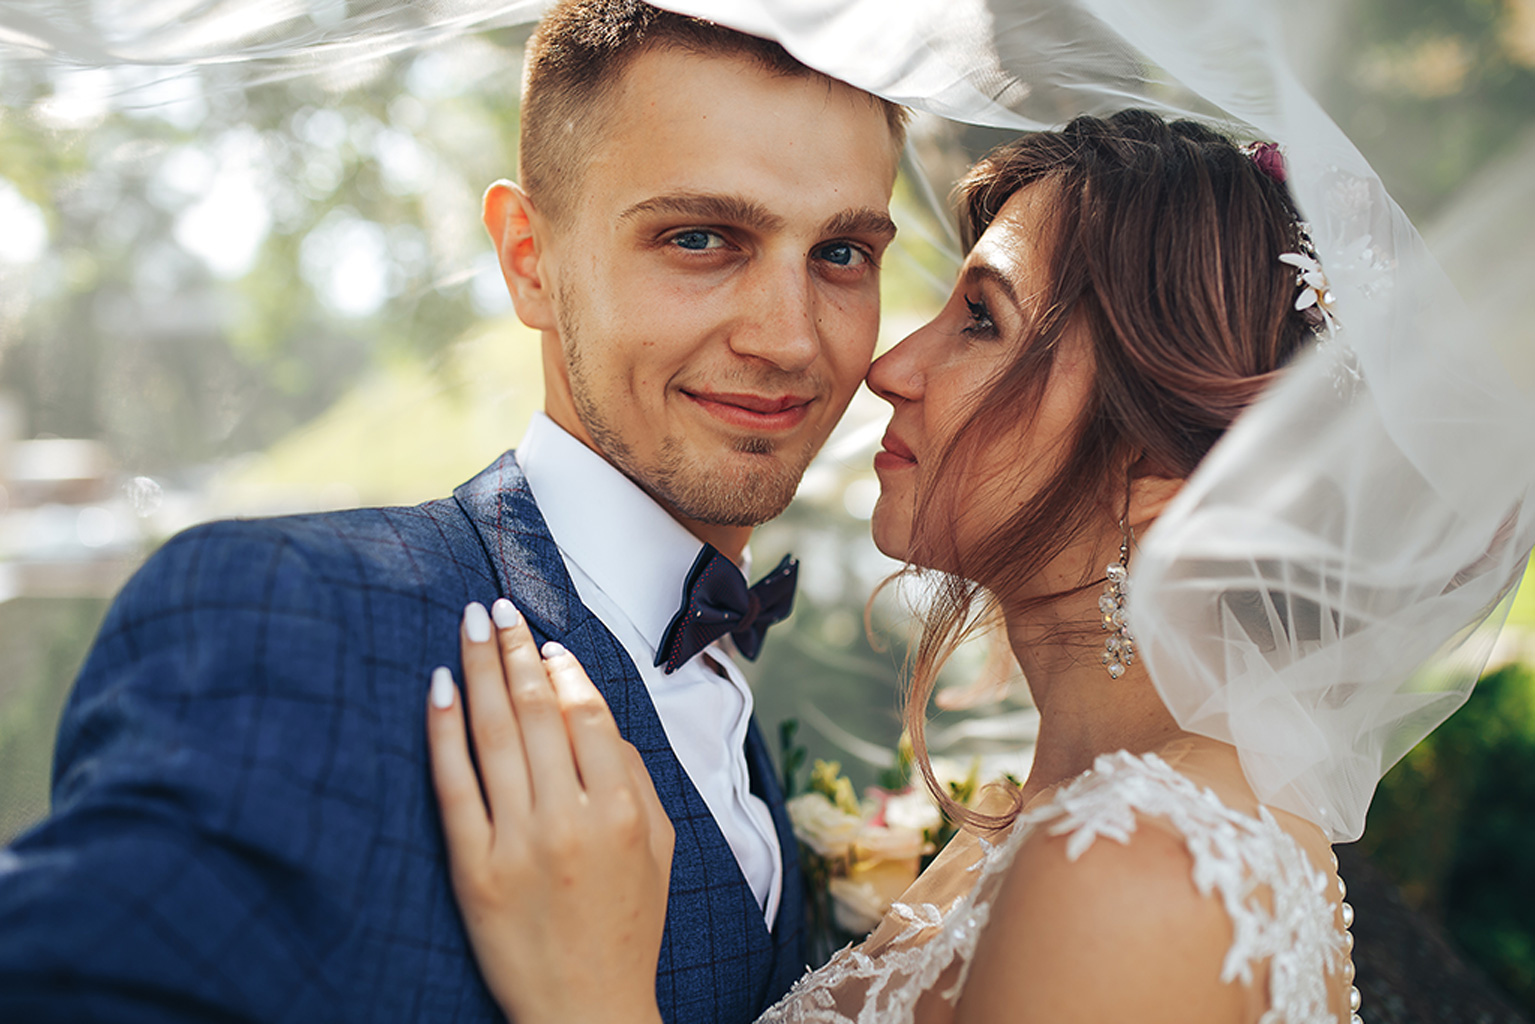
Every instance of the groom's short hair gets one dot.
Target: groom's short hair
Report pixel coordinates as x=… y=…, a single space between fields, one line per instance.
x=577 y=56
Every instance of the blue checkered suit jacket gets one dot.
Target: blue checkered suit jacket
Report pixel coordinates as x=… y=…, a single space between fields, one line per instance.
x=243 y=824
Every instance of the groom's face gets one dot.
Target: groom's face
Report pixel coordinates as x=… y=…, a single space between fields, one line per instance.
x=713 y=293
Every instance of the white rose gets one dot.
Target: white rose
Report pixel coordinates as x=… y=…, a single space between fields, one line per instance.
x=949 y=772
x=856 y=906
x=822 y=826
x=912 y=810
x=863 y=897
x=877 y=844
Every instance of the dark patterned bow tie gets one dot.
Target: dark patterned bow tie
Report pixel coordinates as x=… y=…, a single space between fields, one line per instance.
x=716 y=601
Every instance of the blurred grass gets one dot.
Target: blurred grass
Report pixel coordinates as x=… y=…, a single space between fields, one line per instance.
x=411 y=431
x=42 y=643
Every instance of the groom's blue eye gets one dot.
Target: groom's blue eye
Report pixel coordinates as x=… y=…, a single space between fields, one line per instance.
x=697 y=240
x=843 y=254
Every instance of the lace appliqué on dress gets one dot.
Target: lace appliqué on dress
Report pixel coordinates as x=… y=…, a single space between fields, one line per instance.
x=1235 y=855
x=863 y=986
x=1238 y=856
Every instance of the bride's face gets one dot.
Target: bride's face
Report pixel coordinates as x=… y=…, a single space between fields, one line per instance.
x=935 y=378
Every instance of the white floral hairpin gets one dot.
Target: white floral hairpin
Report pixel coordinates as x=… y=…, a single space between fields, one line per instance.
x=1315 y=292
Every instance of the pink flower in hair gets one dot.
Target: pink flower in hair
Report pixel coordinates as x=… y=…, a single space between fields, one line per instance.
x=1266 y=155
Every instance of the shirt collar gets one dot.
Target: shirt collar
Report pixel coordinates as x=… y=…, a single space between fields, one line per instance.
x=605 y=523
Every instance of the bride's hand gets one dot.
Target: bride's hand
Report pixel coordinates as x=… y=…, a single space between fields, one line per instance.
x=561 y=866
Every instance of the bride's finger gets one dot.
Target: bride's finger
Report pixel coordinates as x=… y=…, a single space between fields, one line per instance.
x=458 y=788
x=594 y=738
x=492 y=721
x=551 y=768
x=662 y=834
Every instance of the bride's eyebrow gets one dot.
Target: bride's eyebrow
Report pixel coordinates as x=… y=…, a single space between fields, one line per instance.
x=979 y=272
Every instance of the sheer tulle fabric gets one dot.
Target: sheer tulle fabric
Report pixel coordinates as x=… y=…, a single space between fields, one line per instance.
x=1324 y=591
x=275 y=39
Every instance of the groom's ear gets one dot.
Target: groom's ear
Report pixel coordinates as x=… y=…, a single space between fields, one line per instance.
x=520 y=232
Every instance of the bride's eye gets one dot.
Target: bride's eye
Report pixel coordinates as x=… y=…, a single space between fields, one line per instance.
x=981 y=324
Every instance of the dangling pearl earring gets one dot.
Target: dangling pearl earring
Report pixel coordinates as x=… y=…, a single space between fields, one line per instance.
x=1119 y=648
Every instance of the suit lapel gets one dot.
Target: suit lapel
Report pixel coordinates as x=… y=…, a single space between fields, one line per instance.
x=532 y=574
x=520 y=548
x=789 y=928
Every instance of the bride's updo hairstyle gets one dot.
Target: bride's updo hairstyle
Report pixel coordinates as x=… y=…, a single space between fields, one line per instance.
x=1163 y=249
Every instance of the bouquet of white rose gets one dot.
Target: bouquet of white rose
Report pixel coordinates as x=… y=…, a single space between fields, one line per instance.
x=860 y=855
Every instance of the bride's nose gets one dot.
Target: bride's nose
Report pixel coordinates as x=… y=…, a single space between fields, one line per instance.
x=898 y=375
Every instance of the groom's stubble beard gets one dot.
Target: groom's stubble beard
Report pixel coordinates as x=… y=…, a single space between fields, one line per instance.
x=748 y=492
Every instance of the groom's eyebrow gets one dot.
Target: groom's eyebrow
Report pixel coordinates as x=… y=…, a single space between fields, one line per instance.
x=717 y=208
x=861 y=223
x=708 y=207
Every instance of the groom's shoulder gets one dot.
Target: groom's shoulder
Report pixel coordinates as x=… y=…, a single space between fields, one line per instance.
x=313 y=559
x=287 y=606
x=340 y=543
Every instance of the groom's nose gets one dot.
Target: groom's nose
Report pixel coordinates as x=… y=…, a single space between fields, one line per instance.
x=779 y=322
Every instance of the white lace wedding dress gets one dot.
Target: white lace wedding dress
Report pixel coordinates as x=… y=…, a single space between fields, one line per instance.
x=1284 y=910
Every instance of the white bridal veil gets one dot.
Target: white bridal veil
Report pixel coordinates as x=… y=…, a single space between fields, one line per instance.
x=1325 y=590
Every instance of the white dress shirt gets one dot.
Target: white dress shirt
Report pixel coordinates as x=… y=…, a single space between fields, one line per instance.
x=629 y=560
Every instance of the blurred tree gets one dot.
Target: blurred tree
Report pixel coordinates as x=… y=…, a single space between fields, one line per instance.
x=1454 y=822
x=224 y=260
x=1441 y=89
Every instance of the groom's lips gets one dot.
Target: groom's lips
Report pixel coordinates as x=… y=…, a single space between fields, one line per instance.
x=757 y=413
x=893 y=454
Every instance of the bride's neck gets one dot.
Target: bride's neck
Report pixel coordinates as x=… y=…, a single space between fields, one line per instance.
x=1084 y=712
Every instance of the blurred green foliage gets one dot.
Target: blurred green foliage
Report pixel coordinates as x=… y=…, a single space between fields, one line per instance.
x=42 y=643
x=225 y=260
x=1453 y=824
x=124 y=334
x=1438 y=90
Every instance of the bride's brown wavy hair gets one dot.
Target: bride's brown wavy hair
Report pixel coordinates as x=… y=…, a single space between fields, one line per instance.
x=1164 y=252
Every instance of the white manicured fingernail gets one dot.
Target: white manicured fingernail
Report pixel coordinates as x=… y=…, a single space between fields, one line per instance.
x=504 y=613
x=442 y=687
x=476 y=623
x=552 y=650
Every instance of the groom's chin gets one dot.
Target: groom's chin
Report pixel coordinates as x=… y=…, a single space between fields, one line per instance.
x=739 y=489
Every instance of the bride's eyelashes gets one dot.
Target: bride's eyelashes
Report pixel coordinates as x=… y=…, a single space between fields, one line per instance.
x=981 y=324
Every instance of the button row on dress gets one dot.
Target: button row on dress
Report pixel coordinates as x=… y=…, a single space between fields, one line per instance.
x=1347 y=910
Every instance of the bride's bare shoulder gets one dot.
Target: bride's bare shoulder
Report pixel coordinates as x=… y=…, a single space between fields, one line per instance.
x=1117 y=932
x=1215 y=767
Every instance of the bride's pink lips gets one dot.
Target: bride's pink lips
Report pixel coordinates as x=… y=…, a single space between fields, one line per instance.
x=893 y=454
x=757 y=413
